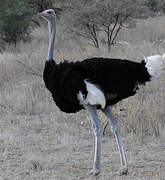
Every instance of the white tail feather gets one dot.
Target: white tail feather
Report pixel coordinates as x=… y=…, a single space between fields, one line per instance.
x=155 y=65
x=94 y=97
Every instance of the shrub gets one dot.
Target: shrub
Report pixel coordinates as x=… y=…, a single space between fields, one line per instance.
x=40 y=5
x=15 y=20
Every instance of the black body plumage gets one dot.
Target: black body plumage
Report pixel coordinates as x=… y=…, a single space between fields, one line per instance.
x=118 y=79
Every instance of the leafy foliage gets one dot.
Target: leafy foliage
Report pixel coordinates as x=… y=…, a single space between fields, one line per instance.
x=14 y=20
x=153 y=5
x=40 y=5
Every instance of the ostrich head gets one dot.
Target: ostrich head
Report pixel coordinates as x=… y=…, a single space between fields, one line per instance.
x=49 y=15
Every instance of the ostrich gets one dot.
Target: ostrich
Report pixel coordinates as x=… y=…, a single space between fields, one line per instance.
x=96 y=83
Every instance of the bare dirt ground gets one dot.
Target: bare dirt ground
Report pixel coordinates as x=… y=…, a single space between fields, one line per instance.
x=38 y=142
x=38 y=148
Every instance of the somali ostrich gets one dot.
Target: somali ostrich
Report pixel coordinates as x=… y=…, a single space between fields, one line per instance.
x=96 y=83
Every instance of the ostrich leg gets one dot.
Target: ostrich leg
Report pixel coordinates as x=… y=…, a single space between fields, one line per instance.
x=114 y=126
x=92 y=110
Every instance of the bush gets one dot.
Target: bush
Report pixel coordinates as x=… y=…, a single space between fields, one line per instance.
x=156 y=6
x=15 y=20
x=153 y=5
x=40 y=5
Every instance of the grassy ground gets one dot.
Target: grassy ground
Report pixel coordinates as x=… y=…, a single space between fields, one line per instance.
x=38 y=142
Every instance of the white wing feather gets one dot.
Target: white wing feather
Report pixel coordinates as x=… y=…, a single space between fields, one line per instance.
x=94 y=97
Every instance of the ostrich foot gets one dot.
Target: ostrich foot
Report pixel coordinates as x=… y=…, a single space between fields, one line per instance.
x=94 y=172
x=123 y=171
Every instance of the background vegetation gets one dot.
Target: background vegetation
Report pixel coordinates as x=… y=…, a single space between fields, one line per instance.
x=37 y=141
x=85 y=18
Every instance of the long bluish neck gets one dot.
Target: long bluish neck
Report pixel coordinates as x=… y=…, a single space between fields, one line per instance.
x=52 y=34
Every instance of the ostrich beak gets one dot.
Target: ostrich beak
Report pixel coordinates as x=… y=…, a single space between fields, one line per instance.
x=42 y=14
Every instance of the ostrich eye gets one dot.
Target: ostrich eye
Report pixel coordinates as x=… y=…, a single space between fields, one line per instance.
x=49 y=12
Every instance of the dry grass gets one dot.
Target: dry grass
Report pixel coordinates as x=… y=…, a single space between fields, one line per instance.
x=37 y=141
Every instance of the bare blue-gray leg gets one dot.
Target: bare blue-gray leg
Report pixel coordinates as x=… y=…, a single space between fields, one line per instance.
x=92 y=110
x=114 y=125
